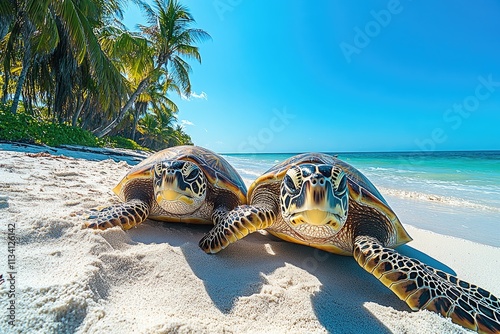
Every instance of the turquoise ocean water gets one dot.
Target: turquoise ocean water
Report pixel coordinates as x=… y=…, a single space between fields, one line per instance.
x=452 y=193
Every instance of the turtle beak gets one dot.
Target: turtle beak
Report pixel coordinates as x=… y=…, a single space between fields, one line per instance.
x=171 y=196
x=319 y=206
x=315 y=216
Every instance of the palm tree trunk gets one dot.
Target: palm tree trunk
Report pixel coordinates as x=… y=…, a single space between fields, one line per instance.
x=134 y=131
x=144 y=83
x=80 y=104
x=4 y=29
x=141 y=110
x=6 y=79
x=22 y=76
x=5 y=87
x=134 y=127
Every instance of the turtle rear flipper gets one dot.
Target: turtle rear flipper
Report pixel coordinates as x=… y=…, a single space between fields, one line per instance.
x=125 y=215
x=423 y=287
x=233 y=225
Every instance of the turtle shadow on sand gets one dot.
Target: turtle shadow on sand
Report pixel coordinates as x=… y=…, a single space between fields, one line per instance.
x=340 y=274
x=240 y=271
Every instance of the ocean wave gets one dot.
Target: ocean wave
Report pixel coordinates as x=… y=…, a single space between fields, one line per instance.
x=390 y=169
x=247 y=172
x=447 y=200
x=419 y=196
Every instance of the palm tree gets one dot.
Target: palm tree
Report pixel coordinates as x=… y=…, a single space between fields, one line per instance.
x=179 y=137
x=171 y=39
x=155 y=97
x=37 y=28
x=97 y=98
x=22 y=28
x=148 y=128
x=159 y=129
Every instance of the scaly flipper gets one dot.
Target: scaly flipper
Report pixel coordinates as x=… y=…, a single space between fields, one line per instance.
x=423 y=287
x=125 y=215
x=233 y=225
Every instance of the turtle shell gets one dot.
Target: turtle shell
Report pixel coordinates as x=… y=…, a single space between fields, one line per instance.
x=361 y=189
x=216 y=169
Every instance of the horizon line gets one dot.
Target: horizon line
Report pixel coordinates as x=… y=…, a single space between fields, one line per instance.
x=344 y=152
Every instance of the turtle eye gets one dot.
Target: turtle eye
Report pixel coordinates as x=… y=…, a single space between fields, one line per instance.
x=158 y=169
x=341 y=184
x=293 y=180
x=288 y=182
x=191 y=172
x=193 y=175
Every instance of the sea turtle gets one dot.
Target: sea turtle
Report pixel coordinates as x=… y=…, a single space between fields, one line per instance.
x=318 y=200
x=180 y=184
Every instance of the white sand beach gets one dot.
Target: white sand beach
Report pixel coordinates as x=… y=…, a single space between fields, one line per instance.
x=155 y=279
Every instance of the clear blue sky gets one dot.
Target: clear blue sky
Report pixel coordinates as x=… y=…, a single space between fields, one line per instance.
x=338 y=76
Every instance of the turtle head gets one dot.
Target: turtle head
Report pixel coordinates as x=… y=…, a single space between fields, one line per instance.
x=179 y=186
x=316 y=195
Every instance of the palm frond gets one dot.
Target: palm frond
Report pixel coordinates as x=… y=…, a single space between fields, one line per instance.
x=180 y=74
x=47 y=38
x=7 y=9
x=189 y=51
x=69 y=14
x=148 y=11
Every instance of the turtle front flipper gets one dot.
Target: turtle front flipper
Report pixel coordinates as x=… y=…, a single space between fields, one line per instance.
x=125 y=215
x=230 y=226
x=423 y=287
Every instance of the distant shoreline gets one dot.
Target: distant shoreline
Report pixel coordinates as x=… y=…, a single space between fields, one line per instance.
x=132 y=152
x=366 y=152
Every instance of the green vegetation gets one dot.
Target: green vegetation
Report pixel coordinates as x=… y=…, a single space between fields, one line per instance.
x=22 y=127
x=70 y=73
x=26 y=128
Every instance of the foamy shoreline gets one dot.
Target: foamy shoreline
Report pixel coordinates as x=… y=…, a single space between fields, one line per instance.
x=155 y=279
